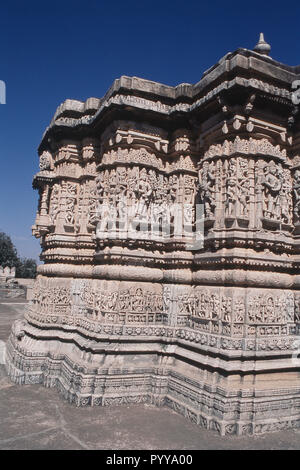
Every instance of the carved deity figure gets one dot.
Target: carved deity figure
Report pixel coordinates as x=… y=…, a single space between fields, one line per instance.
x=272 y=186
x=54 y=202
x=231 y=189
x=206 y=189
x=138 y=300
x=285 y=201
x=237 y=189
x=131 y=197
x=226 y=308
x=243 y=187
x=230 y=203
x=144 y=192
x=45 y=161
x=243 y=196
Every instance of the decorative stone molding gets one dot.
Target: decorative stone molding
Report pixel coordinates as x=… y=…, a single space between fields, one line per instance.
x=246 y=147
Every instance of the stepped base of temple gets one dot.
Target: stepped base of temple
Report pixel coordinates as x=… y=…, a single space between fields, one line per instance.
x=237 y=393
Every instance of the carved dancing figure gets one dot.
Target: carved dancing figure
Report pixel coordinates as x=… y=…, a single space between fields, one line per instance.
x=272 y=185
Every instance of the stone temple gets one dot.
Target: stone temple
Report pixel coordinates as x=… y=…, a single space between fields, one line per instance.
x=169 y=220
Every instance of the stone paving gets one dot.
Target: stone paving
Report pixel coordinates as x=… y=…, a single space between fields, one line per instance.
x=33 y=417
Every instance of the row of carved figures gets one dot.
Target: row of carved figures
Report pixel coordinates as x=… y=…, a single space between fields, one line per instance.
x=269 y=183
x=149 y=195
x=260 y=308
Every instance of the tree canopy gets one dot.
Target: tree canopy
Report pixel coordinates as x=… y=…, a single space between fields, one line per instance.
x=8 y=253
x=25 y=267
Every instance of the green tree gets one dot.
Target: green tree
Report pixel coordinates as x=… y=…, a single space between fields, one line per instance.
x=26 y=268
x=8 y=253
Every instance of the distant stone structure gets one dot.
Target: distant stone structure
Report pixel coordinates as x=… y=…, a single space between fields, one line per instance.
x=131 y=305
x=7 y=273
x=9 y=285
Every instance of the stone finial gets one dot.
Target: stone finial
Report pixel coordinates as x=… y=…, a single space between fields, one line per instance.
x=262 y=47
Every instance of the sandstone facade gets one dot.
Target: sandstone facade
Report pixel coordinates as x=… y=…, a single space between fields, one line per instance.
x=131 y=304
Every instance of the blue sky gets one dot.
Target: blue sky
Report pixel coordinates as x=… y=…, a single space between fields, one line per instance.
x=50 y=51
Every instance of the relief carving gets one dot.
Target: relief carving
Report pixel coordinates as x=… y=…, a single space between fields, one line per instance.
x=296 y=193
x=207 y=188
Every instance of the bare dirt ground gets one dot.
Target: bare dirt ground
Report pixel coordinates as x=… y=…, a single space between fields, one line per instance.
x=33 y=417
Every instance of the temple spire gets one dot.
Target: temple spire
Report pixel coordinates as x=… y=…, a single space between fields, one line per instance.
x=262 y=47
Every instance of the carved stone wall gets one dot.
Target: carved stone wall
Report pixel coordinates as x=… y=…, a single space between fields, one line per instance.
x=169 y=220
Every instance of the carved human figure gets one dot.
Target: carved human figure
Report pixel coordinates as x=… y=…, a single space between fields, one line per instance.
x=239 y=310
x=45 y=161
x=230 y=202
x=144 y=192
x=189 y=185
x=166 y=298
x=124 y=301
x=272 y=186
x=138 y=300
x=226 y=307
x=297 y=308
x=243 y=196
x=120 y=195
x=157 y=208
x=285 y=201
x=269 y=310
x=296 y=193
x=237 y=189
x=172 y=194
x=206 y=189
x=215 y=307
x=243 y=187
x=54 y=202
x=107 y=217
x=112 y=299
x=131 y=198
x=157 y=212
